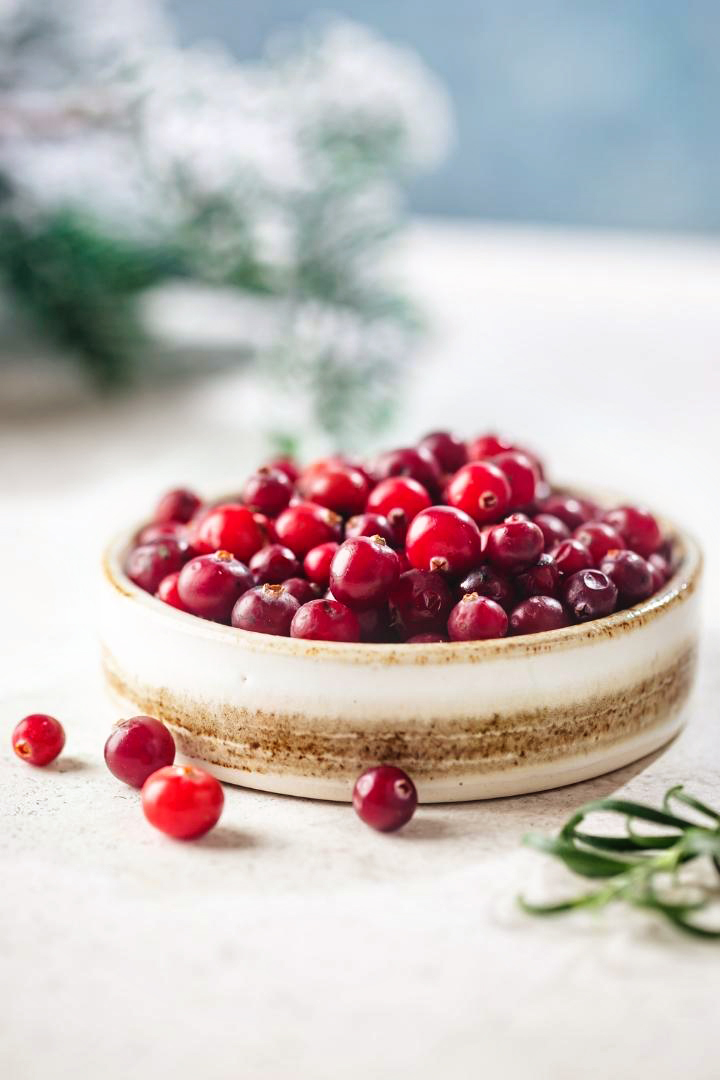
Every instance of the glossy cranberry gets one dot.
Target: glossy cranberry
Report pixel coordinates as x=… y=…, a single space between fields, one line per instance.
x=487 y=581
x=420 y=602
x=514 y=544
x=209 y=585
x=138 y=747
x=590 y=594
x=385 y=798
x=325 y=620
x=571 y=556
x=522 y=475
x=443 y=539
x=229 y=527
x=167 y=591
x=38 y=738
x=398 y=495
x=427 y=639
x=553 y=529
x=630 y=573
x=340 y=488
x=449 y=451
x=266 y=609
x=363 y=572
x=164 y=530
x=481 y=490
x=179 y=505
x=415 y=463
x=638 y=528
x=538 y=614
x=303 y=591
x=371 y=525
x=268 y=491
x=541 y=579
x=487 y=446
x=306 y=525
x=148 y=564
x=273 y=564
x=286 y=466
x=317 y=562
x=569 y=509
x=599 y=538
x=183 y=801
x=476 y=618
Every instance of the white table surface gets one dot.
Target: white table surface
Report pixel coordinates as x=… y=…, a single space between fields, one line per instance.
x=292 y=941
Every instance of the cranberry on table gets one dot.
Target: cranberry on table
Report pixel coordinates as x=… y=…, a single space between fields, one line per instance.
x=427 y=639
x=599 y=538
x=398 y=494
x=571 y=511
x=553 y=529
x=418 y=463
x=325 y=620
x=363 y=572
x=340 y=488
x=638 y=528
x=273 y=564
x=385 y=798
x=371 y=525
x=138 y=747
x=148 y=564
x=420 y=602
x=167 y=591
x=306 y=525
x=209 y=585
x=514 y=544
x=443 y=539
x=266 y=609
x=179 y=505
x=229 y=527
x=487 y=581
x=268 y=491
x=304 y=591
x=590 y=594
x=571 y=556
x=522 y=475
x=449 y=451
x=317 y=562
x=538 y=614
x=182 y=801
x=630 y=573
x=476 y=618
x=38 y=738
x=481 y=490
x=487 y=446
x=541 y=579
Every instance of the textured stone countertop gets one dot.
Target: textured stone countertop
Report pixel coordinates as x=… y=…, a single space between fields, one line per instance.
x=292 y=941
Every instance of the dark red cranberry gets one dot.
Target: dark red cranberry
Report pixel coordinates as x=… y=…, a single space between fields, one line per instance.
x=487 y=581
x=661 y=569
x=427 y=639
x=444 y=539
x=420 y=602
x=481 y=490
x=167 y=591
x=487 y=446
x=590 y=594
x=538 y=614
x=266 y=609
x=268 y=491
x=229 y=527
x=306 y=525
x=449 y=451
x=638 y=528
x=363 y=572
x=569 y=509
x=571 y=556
x=317 y=562
x=553 y=529
x=182 y=801
x=599 y=538
x=514 y=544
x=522 y=475
x=266 y=527
x=148 y=564
x=303 y=591
x=209 y=585
x=136 y=748
x=375 y=625
x=325 y=620
x=273 y=564
x=165 y=530
x=630 y=573
x=371 y=525
x=340 y=488
x=286 y=466
x=416 y=463
x=385 y=798
x=398 y=494
x=542 y=579
x=476 y=618
x=179 y=505
x=38 y=738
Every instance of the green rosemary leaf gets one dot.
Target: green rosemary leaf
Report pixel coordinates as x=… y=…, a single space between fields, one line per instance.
x=679 y=794
x=628 y=809
x=587 y=863
x=692 y=928
x=701 y=842
x=586 y=900
x=632 y=843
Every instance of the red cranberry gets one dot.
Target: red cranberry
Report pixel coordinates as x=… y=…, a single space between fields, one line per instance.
x=571 y=556
x=599 y=538
x=148 y=564
x=268 y=491
x=266 y=609
x=371 y=525
x=481 y=489
x=325 y=620
x=630 y=573
x=475 y=618
x=363 y=572
x=179 y=505
x=420 y=602
x=514 y=544
x=209 y=585
x=38 y=738
x=569 y=509
x=418 y=464
x=317 y=562
x=538 y=614
x=340 y=488
x=661 y=569
x=303 y=591
x=449 y=452
x=522 y=475
x=443 y=539
x=553 y=529
x=165 y=530
x=306 y=525
x=398 y=493
x=182 y=801
x=487 y=581
x=638 y=528
x=273 y=564
x=229 y=527
x=542 y=579
x=167 y=591
x=266 y=527
x=138 y=747
x=375 y=625
x=487 y=446
x=427 y=639
x=286 y=466
x=590 y=594
x=384 y=797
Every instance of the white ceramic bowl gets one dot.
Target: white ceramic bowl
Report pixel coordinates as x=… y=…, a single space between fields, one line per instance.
x=467 y=720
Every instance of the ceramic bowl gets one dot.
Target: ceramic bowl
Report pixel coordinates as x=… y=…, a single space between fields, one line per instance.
x=469 y=720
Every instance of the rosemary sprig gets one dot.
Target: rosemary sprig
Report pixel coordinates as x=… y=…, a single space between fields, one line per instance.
x=639 y=868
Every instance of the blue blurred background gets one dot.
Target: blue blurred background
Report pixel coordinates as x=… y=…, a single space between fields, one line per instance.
x=566 y=111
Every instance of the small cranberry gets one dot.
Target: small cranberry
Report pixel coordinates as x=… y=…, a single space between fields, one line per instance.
x=183 y=801
x=303 y=591
x=487 y=446
x=167 y=591
x=514 y=544
x=481 y=490
x=148 y=564
x=375 y=625
x=571 y=556
x=443 y=539
x=661 y=569
x=569 y=509
x=630 y=573
x=417 y=463
x=522 y=475
x=340 y=488
x=363 y=572
x=306 y=525
x=179 y=505
x=427 y=639
x=599 y=538
x=449 y=451
x=385 y=798
x=266 y=609
x=38 y=738
x=538 y=614
x=590 y=594
x=420 y=602
x=286 y=466
x=325 y=620
x=398 y=494
x=371 y=525
x=639 y=529
x=164 y=530
x=209 y=585
x=476 y=618
x=487 y=581
x=316 y=563
x=229 y=527
x=272 y=565
x=542 y=579
x=138 y=747
x=268 y=491
x=553 y=529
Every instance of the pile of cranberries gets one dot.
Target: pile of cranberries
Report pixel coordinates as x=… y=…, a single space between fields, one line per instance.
x=443 y=541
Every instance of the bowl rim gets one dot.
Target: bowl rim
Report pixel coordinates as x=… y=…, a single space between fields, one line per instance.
x=679 y=587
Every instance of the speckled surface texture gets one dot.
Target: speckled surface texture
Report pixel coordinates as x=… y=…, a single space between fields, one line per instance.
x=293 y=941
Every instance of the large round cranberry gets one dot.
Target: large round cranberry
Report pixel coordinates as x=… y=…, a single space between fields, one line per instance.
x=420 y=602
x=209 y=585
x=540 y=579
x=487 y=446
x=398 y=495
x=630 y=573
x=266 y=609
x=273 y=564
x=147 y=565
x=522 y=475
x=38 y=739
x=137 y=747
x=590 y=594
x=338 y=487
x=306 y=525
x=384 y=797
x=481 y=490
x=599 y=538
x=571 y=556
x=514 y=544
x=417 y=463
x=268 y=491
x=178 y=505
x=444 y=539
x=476 y=618
x=538 y=614
x=363 y=572
x=571 y=511
x=371 y=525
x=182 y=801
x=325 y=620
x=490 y=582
x=229 y=527
x=638 y=528
x=318 y=561
x=304 y=591
x=449 y=451
x=553 y=529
